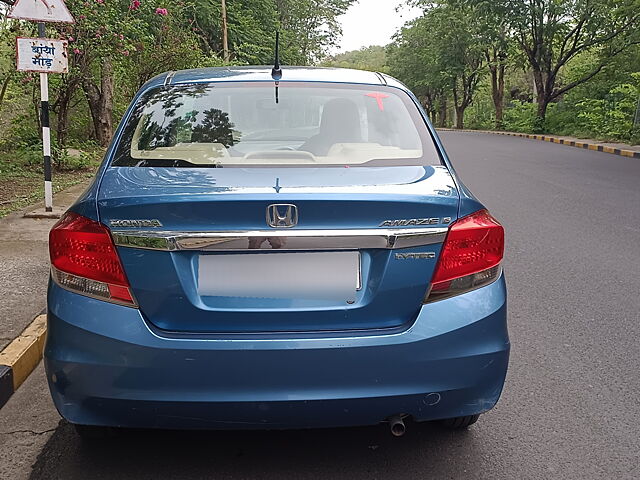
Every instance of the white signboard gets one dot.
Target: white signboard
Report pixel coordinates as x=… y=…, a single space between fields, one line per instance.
x=41 y=11
x=44 y=55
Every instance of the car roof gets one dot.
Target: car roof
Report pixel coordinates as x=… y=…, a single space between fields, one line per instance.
x=263 y=73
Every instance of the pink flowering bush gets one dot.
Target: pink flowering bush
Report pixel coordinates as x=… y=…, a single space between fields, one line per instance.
x=130 y=40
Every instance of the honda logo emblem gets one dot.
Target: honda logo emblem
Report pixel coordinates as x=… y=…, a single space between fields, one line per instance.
x=282 y=215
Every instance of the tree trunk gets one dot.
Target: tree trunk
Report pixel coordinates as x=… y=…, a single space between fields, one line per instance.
x=542 y=100
x=427 y=103
x=225 y=34
x=442 y=113
x=497 y=92
x=542 y=108
x=92 y=92
x=106 y=105
x=62 y=123
x=460 y=116
x=543 y=103
x=499 y=115
x=100 y=101
x=61 y=108
x=3 y=89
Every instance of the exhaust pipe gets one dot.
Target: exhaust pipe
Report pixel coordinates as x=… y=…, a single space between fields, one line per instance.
x=397 y=426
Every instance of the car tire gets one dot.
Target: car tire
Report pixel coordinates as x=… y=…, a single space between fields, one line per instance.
x=92 y=433
x=459 y=423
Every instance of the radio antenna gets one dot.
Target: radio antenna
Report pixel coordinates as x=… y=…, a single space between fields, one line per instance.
x=276 y=71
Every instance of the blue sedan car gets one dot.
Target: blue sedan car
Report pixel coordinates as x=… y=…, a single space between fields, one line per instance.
x=261 y=252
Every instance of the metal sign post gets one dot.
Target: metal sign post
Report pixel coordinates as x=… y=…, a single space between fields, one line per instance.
x=44 y=56
x=46 y=132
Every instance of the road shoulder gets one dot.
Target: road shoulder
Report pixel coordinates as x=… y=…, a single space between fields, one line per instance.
x=631 y=151
x=21 y=357
x=25 y=261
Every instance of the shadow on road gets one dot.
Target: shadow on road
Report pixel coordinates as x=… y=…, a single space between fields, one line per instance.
x=425 y=451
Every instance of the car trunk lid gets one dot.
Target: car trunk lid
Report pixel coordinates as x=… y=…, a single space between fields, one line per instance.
x=201 y=257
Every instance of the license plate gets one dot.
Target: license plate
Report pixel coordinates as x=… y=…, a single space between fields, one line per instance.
x=300 y=275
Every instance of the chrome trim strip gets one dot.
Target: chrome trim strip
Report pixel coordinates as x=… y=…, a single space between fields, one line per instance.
x=280 y=239
x=359 y=282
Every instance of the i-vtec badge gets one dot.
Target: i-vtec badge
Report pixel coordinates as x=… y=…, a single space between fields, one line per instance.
x=415 y=221
x=135 y=223
x=415 y=256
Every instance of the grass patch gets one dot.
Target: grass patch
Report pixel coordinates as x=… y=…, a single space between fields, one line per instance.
x=22 y=181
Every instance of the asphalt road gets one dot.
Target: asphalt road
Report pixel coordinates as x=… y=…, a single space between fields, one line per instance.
x=24 y=256
x=571 y=406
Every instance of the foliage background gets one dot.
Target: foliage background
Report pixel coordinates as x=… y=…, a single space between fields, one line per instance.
x=115 y=46
x=591 y=49
x=450 y=57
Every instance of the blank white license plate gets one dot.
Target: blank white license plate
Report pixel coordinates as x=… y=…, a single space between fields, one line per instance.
x=300 y=275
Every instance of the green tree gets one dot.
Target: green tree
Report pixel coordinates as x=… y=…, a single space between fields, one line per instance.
x=311 y=26
x=553 y=32
x=373 y=59
x=116 y=45
x=7 y=47
x=411 y=58
x=251 y=26
x=441 y=51
x=605 y=106
x=491 y=35
x=496 y=41
x=118 y=39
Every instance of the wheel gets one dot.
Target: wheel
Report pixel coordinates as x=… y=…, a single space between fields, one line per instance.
x=459 y=423
x=92 y=433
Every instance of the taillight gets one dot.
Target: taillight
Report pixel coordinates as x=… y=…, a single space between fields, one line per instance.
x=84 y=260
x=470 y=256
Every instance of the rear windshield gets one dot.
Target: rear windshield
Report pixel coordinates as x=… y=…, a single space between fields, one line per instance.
x=264 y=124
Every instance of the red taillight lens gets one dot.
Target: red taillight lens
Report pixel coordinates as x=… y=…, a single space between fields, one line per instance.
x=83 y=247
x=84 y=259
x=470 y=256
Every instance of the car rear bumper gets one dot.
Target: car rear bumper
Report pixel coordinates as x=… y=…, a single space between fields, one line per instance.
x=105 y=366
